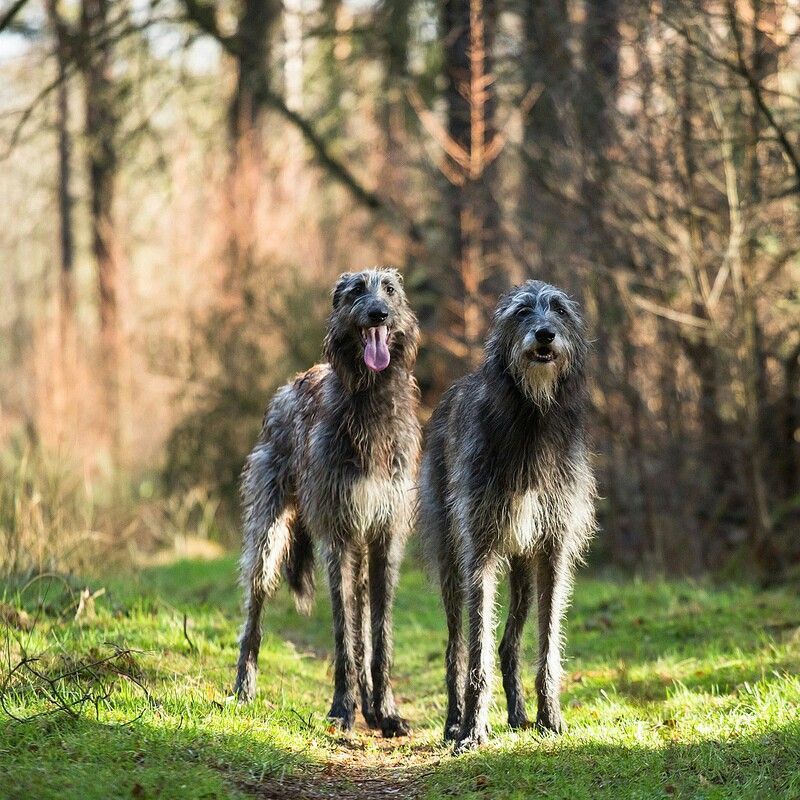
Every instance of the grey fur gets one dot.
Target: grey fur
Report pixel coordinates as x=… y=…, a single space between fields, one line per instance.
x=335 y=464
x=506 y=482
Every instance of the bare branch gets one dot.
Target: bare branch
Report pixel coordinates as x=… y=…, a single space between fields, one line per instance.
x=437 y=130
x=12 y=12
x=204 y=15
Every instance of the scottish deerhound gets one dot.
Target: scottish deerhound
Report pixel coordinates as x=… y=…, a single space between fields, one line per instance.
x=505 y=479
x=335 y=464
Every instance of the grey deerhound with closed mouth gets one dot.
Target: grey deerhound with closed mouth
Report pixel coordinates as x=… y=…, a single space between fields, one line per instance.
x=506 y=480
x=335 y=464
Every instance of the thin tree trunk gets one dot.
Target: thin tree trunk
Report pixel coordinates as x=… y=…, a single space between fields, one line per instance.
x=66 y=239
x=100 y=126
x=474 y=219
x=396 y=36
x=245 y=118
x=548 y=64
x=759 y=520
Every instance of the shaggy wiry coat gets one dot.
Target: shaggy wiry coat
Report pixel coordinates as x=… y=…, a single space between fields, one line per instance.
x=335 y=464
x=506 y=480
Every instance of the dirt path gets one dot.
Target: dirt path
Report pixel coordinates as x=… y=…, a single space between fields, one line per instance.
x=364 y=767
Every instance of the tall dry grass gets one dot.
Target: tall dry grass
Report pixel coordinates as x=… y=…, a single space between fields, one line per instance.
x=53 y=518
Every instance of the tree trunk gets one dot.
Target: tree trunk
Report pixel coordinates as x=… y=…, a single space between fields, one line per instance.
x=598 y=84
x=245 y=117
x=66 y=239
x=476 y=275
x=396 y=35
x=759 y=520
x=100 y=128
x=548 y=64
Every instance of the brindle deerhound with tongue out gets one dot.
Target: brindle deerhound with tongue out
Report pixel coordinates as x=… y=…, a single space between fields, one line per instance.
x=335 y=465
x=506 y=480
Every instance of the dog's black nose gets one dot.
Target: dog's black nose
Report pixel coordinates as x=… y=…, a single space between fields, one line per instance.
x=545 y=335
x=378 y=314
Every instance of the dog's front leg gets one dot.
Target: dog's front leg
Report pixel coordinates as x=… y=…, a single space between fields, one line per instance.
x=553 y=586
x=481 y=578
x=340 y=578
x=384 y=567
x=520 y=597
x=362 y=624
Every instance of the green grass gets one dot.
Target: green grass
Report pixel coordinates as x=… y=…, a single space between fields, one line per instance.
x=672 y=690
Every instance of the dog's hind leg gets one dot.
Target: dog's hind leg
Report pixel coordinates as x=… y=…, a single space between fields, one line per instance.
x=553 y=586
x=481 y=585
x=455 y=657
x=341 y=581
x=384 y=569
x=268 y=519
x=363 y=637
x=261 y=562
x=521 y=595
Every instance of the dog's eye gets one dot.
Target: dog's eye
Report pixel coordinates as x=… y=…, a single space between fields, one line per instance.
x=390 y=289
x=559 y=309
x=358 y=289
x=523 y=312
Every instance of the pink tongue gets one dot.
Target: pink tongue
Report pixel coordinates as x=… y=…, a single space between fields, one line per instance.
x=376 y=351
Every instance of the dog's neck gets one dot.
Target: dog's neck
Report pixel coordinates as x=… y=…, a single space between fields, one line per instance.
x=511 y=401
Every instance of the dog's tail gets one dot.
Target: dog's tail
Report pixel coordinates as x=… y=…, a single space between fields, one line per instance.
x=298 y=568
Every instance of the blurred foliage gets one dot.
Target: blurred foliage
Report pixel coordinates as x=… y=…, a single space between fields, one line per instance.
x=240 y=360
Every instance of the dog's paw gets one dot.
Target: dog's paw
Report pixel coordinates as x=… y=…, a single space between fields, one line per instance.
x=245 y=688
x=370 y=719
x=342 y=715
x=452 y=724
x=471 y=740
x=519 y=722
x=451 y=731
x=394 y=726
x=550 y=723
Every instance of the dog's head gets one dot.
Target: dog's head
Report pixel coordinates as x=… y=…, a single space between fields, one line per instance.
x=538 y=337
x=371 y=328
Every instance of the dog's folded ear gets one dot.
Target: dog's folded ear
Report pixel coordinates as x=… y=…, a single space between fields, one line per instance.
x=341 y=287
x=396 y=274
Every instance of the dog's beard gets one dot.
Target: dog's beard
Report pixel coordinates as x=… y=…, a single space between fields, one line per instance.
x=538 y=381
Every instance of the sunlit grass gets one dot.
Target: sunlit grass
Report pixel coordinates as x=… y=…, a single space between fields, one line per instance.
x=672 y=689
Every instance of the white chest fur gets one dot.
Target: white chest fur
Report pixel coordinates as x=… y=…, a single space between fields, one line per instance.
x=526 y=520
x=375 y=500
x=536 y=515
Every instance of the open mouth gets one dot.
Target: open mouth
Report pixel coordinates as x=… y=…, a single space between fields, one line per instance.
x=376 y=347
x=543 y=355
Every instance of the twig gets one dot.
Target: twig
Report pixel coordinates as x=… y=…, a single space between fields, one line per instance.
x=192 y=645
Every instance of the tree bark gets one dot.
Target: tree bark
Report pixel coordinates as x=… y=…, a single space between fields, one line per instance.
x=548 y=64
x=245 y=118
x=100 y=129
x=65 y=203
x=473 y=213
x=762 y=543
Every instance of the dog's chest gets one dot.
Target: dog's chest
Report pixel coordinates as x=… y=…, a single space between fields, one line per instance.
x=536 y=515
x=526 y=520
x=374 y=500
